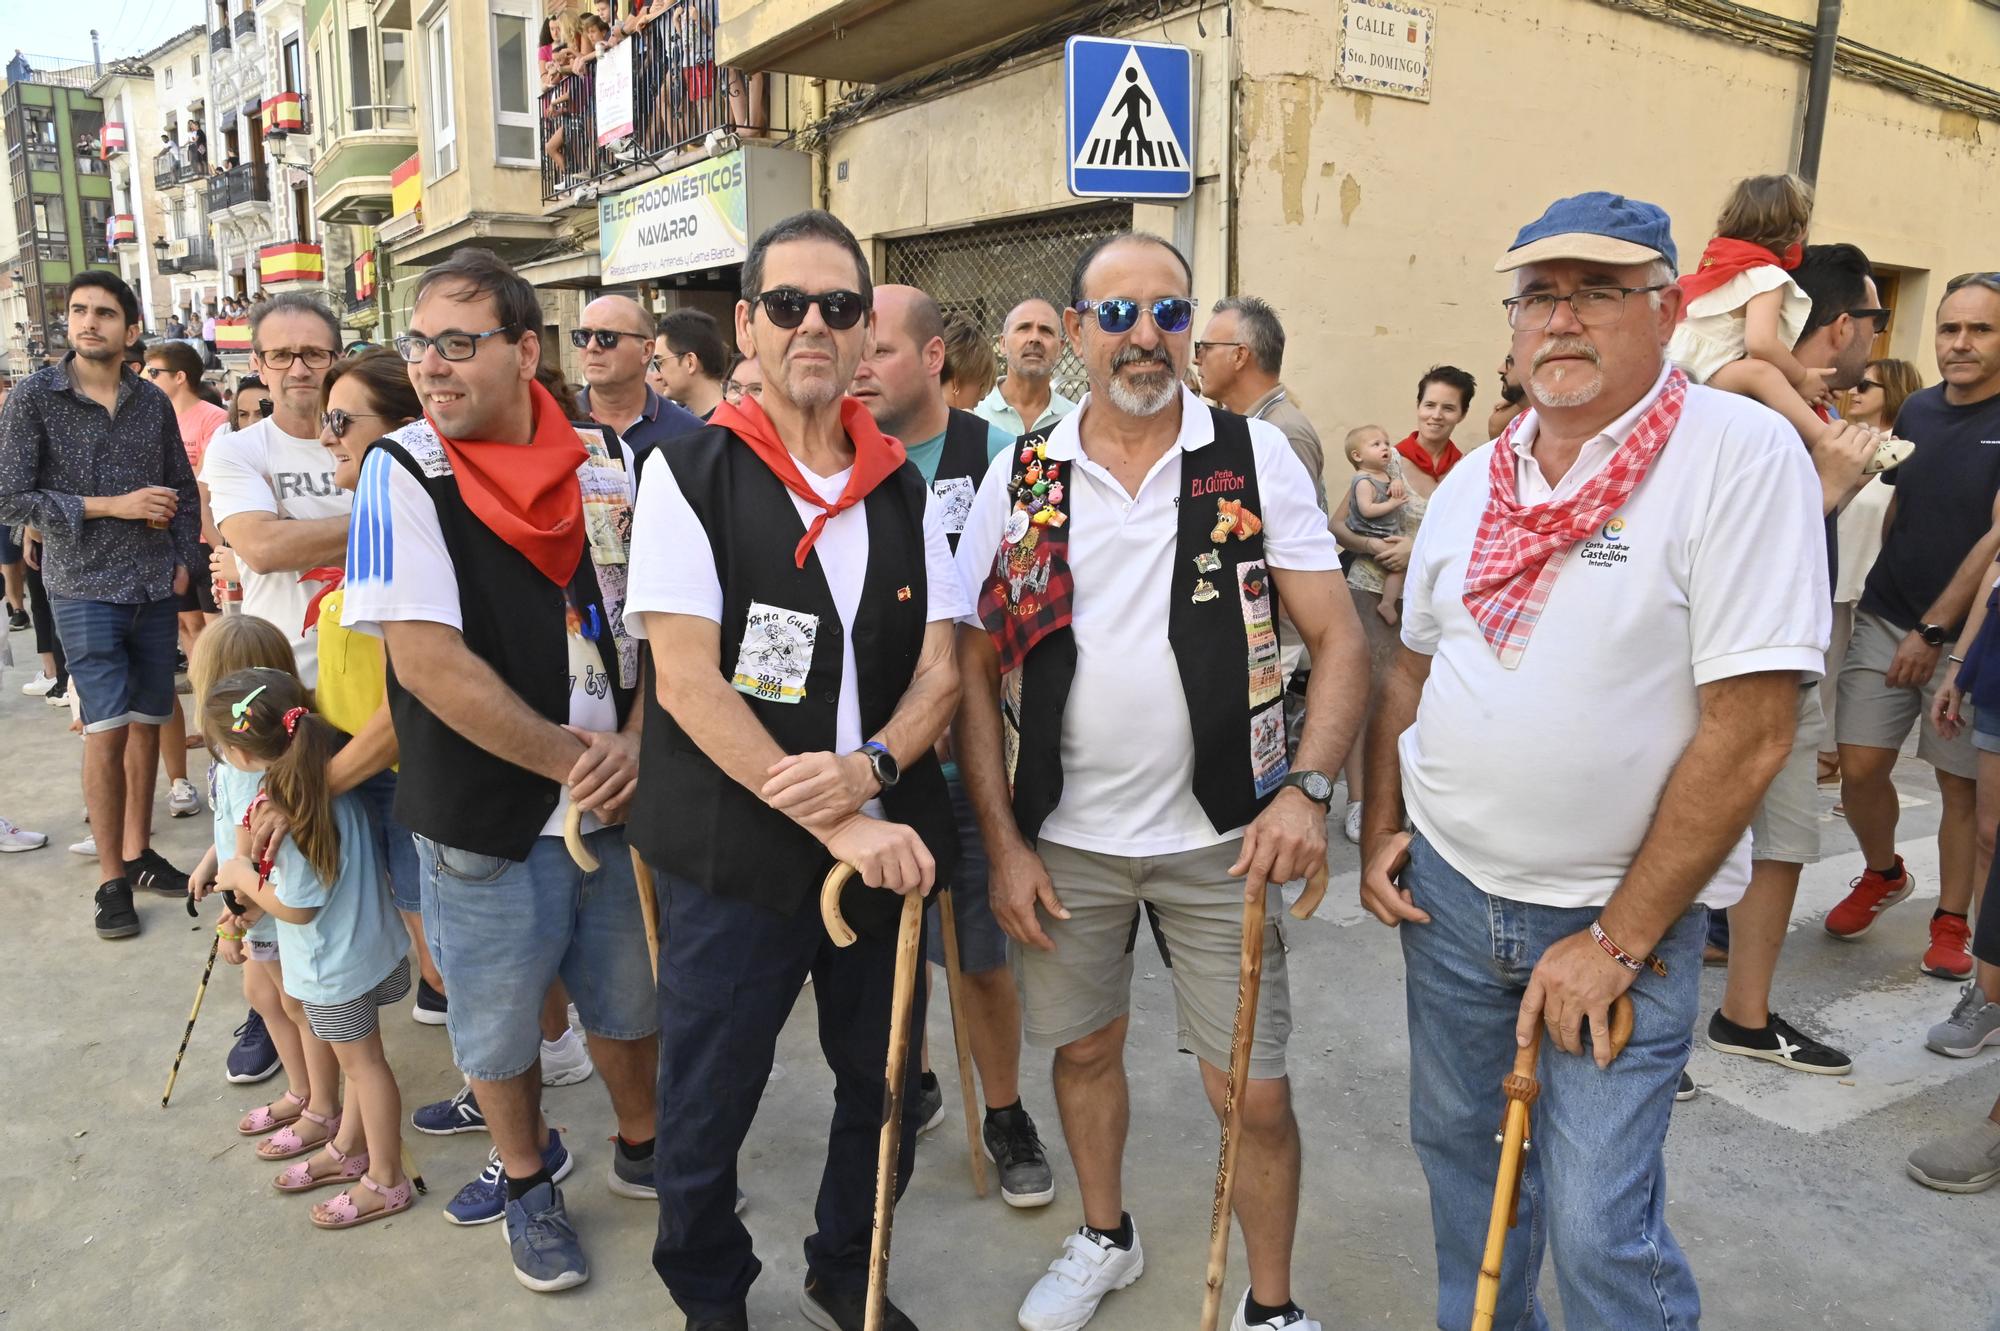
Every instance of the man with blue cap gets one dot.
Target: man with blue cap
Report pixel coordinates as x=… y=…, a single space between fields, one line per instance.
x=1608 y=614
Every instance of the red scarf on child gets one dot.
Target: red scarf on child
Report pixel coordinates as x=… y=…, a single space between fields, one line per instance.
x=527 y=495
x=1726 y=258
x=876 y=457
x=1420 y=457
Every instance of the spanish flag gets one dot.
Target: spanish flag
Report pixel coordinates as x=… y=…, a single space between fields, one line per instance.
x=291 y=261
x=284 y=114
x=232 y=335
x=406 y=186
x=364 y=275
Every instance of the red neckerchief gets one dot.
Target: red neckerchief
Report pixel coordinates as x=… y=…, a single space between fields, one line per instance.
x=527 y=495
x=1517 y=551
x=876 y=457
x=329 y=579
x=1726 y=258
x=1420 y=457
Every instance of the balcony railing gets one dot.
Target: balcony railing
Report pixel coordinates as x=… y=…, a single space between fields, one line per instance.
x=177 y=166
x=678 y=97
x=200 y=257
x=243 y=183
x=218 y=40
x=245 y=24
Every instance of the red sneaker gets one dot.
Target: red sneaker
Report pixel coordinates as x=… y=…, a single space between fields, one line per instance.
x=1867 y=897
x=1949 y=957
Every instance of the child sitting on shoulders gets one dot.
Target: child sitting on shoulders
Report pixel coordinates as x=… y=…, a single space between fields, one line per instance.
x=1375 y=502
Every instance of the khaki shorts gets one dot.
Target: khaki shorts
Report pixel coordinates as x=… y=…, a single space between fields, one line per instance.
x=1786 y=827
x=1873 y=715
x=1086 y=983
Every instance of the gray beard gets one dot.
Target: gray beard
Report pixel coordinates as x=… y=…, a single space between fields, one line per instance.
x=1137 y=401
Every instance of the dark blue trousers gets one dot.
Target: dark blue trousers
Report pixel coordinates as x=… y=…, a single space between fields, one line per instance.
x=729 y=975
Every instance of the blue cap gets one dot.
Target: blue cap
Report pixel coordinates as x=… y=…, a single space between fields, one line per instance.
x=1607 y=228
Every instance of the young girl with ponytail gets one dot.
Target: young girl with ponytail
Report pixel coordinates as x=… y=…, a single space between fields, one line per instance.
x=342 y=949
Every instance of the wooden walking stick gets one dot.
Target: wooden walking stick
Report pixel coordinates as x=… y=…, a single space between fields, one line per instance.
x=642 y=878
x=908 y=934
x=1249 y=981
x=1520 y=1089
x=954 y=981
x=214 y=945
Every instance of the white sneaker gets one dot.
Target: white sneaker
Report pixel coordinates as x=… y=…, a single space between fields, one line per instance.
x=86 y=848
x=182 y=799
x=13 y=839
x=39 y=686
x=1351 y=825
x=1089 y=1267
x=1291 y=1321
x=566 y=1061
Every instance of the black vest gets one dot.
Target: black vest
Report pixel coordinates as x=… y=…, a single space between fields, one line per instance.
x=1222 y=628
x=694 y=820
x=453 y=791
x=961 y=466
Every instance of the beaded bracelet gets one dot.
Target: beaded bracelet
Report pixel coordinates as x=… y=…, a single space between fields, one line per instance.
x=1621 y=956
x=221 y=932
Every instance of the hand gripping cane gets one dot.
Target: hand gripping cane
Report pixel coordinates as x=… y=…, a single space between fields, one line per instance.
x=908 y=934
x=1521 y=1088
x=1249 y=980
x=642 y=878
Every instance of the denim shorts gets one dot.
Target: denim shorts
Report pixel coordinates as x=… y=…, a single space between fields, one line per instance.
x=397 y=844
x=1986 y=729
x=502 y=931
x=121 y=659
x=982 y=944
x=10 y=544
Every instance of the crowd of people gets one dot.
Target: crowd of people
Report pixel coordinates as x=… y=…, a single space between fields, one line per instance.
x=831 y=585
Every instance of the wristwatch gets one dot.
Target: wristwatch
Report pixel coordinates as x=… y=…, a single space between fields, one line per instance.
x=1315 y=786
x=1934 y=634
x=887 y=773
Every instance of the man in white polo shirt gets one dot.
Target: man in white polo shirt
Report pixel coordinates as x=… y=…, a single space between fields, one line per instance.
x=1129 y=565
x=1608 y=614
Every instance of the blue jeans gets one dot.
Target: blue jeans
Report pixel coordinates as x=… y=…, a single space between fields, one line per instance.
x=397 y=844
x=121 y=660
x=1594 y=1188
x=982 y=944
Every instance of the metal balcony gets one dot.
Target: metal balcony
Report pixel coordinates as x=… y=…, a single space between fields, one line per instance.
x=245 y=24
x=218 y=40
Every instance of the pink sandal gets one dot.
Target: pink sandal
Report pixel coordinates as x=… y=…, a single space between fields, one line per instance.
x=342 y=1213
x=261 y=1120
x=298 y=1176
x=286 y=1142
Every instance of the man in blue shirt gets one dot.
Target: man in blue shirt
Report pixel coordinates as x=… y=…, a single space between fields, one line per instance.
x=614 y=342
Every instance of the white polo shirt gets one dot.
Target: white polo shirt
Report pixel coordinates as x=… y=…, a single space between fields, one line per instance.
x=1127 y=745
x=1539 y=783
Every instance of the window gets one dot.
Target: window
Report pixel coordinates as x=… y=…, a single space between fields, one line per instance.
x=444 y=130
x=194 y=70
x=295 y=70
x=395 y=77
x=170 y=78
x=514 y=83
x=329 y=106
x=360 y=89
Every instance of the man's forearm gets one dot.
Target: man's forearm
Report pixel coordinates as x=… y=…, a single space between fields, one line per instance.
x=268 y=544
x=1395 y=711
x=1334 y=707
x=925 y=708
x=720 y=723
x=1965 y=584
x=370 y=750
x=48 y=510
x=469 y=696
x=1741 y=742
x=976 y=734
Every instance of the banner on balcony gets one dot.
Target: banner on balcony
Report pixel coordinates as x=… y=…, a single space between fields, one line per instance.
x=691 y=218
x=614 y=94
x=232 y=335
x=114 y=139
x=293 y=261
x=284 y=114
x=364 y=276
x=406 y=186
x=123 y=229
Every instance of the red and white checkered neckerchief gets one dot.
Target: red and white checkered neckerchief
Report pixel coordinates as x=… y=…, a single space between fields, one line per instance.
x=1518 y=551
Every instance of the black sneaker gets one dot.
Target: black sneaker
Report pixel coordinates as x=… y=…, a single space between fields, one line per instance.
x=152 y=872
x=1016 y=1152
x=1686 y=1090
x=115 y=916
x=1779 y=1042
x=431 y=1005
x=835 y=1310
x=929 y=1107
x=17 y=620
x=737 y=1319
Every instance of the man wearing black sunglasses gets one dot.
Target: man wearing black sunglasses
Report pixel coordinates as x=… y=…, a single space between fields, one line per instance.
x=1130 y=565
x=792 y=577
x=612 y=349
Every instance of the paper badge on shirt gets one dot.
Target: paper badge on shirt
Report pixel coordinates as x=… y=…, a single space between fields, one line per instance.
x=776 y=653
x=607 y=526
x=1268 y=760
x=954 y=497
x=1253 y=588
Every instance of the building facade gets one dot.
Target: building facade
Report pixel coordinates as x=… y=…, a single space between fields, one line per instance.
x=61 y=193
x=175 y=170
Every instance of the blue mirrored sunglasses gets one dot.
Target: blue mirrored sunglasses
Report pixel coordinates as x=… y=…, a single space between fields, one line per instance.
x=1171 y=314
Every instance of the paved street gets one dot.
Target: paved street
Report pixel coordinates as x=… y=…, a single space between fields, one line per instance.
x=1787 y=1190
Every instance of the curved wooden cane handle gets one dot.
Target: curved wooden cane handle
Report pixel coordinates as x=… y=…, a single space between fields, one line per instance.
x=573 y=838
x=1309 y=899
x=1622 y=1021
x=837 y=927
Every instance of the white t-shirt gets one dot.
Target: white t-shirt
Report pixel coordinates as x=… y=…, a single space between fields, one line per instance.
x=261 y=469
x=1127 y=744
x=1538 y=783
x=673 y=572
x=398 y=568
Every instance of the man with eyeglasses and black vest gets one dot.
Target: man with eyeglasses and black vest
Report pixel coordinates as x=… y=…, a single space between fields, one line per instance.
x=1130 y=567
x=489 y=550
x=613 y=352
x=793 y=579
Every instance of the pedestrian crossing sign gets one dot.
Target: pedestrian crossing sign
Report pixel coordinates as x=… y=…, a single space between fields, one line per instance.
x=1129 y=117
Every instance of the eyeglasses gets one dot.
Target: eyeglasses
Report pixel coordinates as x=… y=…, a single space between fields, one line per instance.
x=786 y=307
x=735 y=391
x=1117 y=314
x=155 y=371
x=281 y=358
x=607 y=338
x=1593 y=307
x=450 y=346
x=1866 y=386
x=337 y=422
x=1200 y=347
x=653 y=364
x=1881 y=317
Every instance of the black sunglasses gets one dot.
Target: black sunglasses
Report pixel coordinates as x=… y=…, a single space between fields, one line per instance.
x=1117 y=314
x=1866 y=386
x=607 y=338
x=1880 y=316
x=337 y=422
x=786 y=307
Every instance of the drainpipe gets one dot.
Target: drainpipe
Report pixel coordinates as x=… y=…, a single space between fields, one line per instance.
x=822 y=163
x=1818 y=84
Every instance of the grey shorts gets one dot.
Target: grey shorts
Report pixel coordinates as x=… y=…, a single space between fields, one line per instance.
x=1197 y=908
x=1786 y=827
x=1873 y=715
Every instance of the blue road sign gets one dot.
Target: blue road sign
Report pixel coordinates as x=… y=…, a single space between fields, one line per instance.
x=1129 y=118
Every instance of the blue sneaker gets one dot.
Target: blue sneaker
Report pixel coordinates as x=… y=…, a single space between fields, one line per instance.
x=442 y=1118
x=253 y=1057
x=484 y=1200
x=547 y=1256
